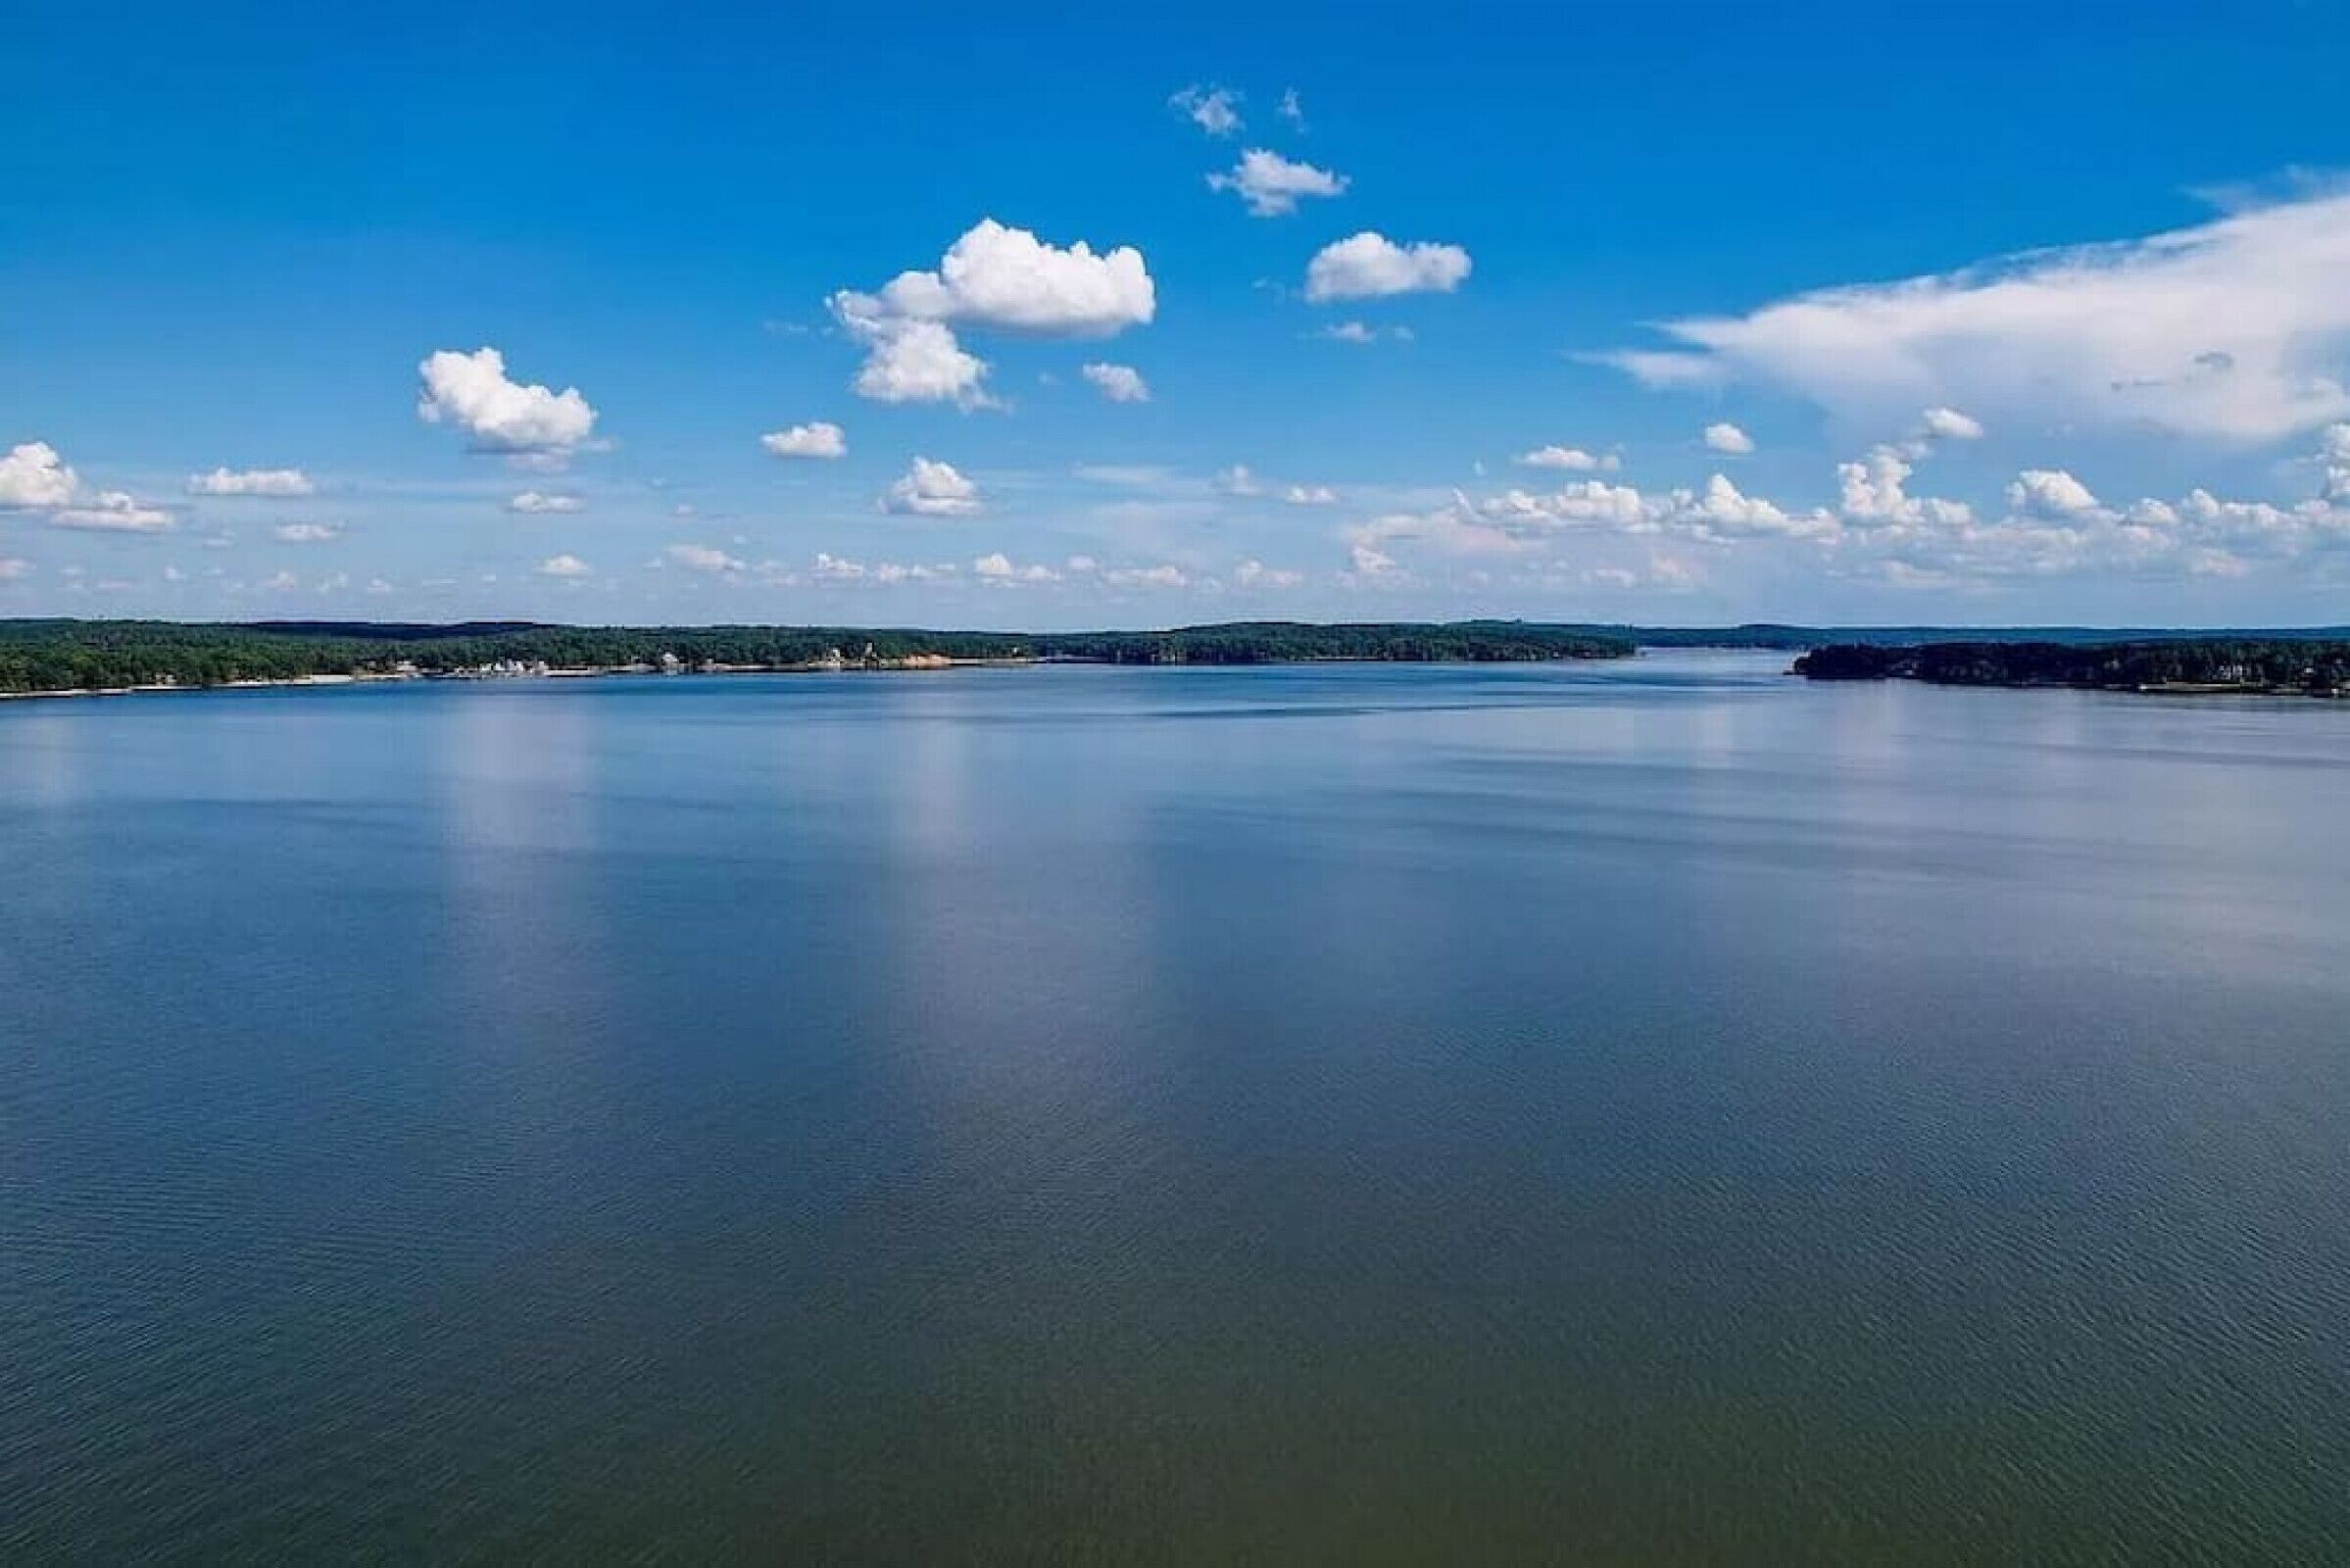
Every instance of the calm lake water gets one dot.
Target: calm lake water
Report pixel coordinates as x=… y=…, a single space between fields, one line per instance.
x=1631 y=1111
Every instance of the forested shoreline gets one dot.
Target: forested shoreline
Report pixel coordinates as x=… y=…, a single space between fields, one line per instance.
x=50 y=656
x=65 y=655
x=2314 y=668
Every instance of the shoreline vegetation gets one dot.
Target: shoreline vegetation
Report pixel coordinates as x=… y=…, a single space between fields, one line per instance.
x=60 y=658
x=105 y=657
x=2267 y=665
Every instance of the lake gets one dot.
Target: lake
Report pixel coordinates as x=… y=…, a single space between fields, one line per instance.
x=1655 y=1110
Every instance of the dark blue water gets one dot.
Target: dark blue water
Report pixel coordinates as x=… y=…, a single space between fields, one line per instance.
x=1656 y=1110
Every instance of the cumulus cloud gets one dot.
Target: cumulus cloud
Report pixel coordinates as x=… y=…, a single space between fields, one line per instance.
x=1520 y=521
x=473 y=392
x=1871 y=490
x=250 y=482
x=1573 y=460
x=543 y=504
x=1000 y=568
x=1948 y=424
x=932 y=490
x=34 y=478
x=2050 y=493
x=1120 y=383
x=816 y=439
x=114 y=512
x=1727 y=439
x=1214 y=110
x=832 y=568
x=993 y=278
x=2052 y=526
x=1310 y=495
x=1370 y=265
x=1271 y=185
x=2232 y=330
x=1292 y=108
x=1009 y=280
x=702 y=558
x=1236 y=480
x=913 y=361
x=555 y=567
x=305 y=533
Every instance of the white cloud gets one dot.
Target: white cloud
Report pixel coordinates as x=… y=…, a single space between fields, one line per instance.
x=473 y=392
x=1272 y=185
x=1372 y=563
x=33 y=478
x=2232 y=330
x=1236 y=480
x=555 y=567
x=1871 y=490
x=1369 y=266
x=994 y=278
x=305 y=533
x=932 y=490
x=702 y=558
x=1120 y=383
x=2050 y=493
x=1310 y=495
x=2334 y=455
x=1009 y=280
x=910 y=362
x=1361 y=332
x=1722 y=510
x=280 y=582
x=1948 y=424
x=1214 y=110
x=250 y=482
x=1574 y=460
x=114 y=512
x=543 y=504
x=816 y=439
x=1146 y=577
x=1727 y=439
x=14 y=567
x=997 y=568
x=1256 y=574
x=1292 y=109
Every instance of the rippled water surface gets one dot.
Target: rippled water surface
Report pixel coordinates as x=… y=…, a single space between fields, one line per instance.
x=1345 y=1114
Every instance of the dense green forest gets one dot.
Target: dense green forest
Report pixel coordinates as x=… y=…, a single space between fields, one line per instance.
x=62 y=654
x=2241 y=663
x=77 y=654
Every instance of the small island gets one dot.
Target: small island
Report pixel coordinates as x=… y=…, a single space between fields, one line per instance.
x=61 y=655
x=2277 y=666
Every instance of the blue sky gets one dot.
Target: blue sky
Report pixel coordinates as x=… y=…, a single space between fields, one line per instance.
x=2037 y=313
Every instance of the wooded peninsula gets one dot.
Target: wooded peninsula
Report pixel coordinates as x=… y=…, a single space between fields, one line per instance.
x=2317 y=667
x=56 y=655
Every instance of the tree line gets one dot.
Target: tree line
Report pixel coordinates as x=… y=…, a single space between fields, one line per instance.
x=2265 y=664
x=60 y=655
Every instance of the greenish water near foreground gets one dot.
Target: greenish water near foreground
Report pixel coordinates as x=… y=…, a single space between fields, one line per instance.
x=1641 y=1112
